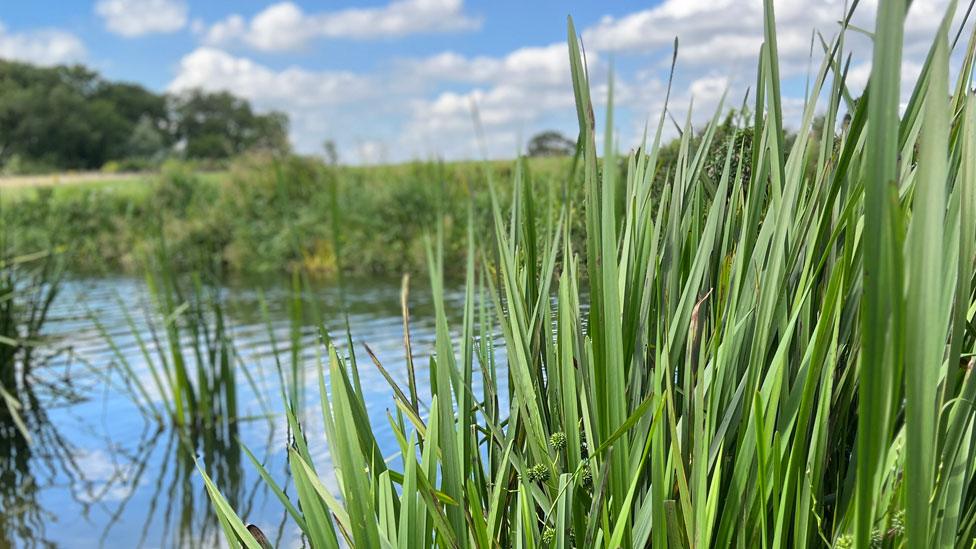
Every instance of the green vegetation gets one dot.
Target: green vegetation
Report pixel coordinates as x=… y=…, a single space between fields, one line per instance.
x=193 y=362
x=266 y=214
x=550 y=143
x=28 y=287
x=70 y=118
x=777 y=356
x=270 y=214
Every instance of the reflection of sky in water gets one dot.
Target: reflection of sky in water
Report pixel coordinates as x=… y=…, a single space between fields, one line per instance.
x=126 y=482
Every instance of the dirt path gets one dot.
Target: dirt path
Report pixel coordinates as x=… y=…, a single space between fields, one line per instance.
x=70 y=178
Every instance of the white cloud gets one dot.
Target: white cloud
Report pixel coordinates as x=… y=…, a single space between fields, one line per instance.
x=515 y=94
x=709 y=88
x=722 y=39
x=314 y=100
x=41 y=46
x=212 y=69
x=132 y=18
x=225 y=31
x=858 y=76
x=535 y=65
x=286 y=27
x=423 y=107
x=372 y=152
x=726 y=34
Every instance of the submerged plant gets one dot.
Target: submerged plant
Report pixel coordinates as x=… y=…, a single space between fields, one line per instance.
x=769 y=357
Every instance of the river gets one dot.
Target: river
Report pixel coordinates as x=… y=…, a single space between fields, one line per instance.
x=102 y=473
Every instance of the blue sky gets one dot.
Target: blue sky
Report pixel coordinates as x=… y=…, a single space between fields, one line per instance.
x=391 y=80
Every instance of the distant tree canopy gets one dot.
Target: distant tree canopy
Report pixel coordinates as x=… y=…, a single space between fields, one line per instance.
x=69 y=117
x=551 y=143
x=220 y=125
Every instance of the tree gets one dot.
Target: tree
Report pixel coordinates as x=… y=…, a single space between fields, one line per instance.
x=220 y=125
x=329 y=152
x=551 y=143
x=69 y=117
x=146 y=140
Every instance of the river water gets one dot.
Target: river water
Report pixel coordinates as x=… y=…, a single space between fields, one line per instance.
x=101 y=473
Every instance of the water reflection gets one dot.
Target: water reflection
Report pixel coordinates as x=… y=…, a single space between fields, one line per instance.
x=101 y=474
x=20 y=516
x=178 y=512
x=23 y=521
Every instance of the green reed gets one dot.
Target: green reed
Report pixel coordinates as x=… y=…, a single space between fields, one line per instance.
x=28 y=286
x=777 y=352
x=186 y=364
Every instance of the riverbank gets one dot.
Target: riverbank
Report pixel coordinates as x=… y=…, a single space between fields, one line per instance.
x=265 y=215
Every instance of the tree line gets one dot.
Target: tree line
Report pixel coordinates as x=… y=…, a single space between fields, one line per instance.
x=69 y=117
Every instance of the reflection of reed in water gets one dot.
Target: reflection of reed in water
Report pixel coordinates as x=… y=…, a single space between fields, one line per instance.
x=21 y=520
x=113 y=477
x=178 y=513
x=181 y=370
x=26 y=468
x=28 y=286
x=32 y=450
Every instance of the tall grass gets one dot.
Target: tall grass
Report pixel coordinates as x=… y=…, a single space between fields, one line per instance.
x=772 y=354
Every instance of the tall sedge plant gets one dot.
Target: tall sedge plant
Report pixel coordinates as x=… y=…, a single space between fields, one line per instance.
x=777 y=352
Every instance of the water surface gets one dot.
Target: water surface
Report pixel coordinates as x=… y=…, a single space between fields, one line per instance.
x=100 y=473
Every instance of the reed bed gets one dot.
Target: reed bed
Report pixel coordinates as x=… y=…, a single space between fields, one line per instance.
x=777 y=352
x=185 y=368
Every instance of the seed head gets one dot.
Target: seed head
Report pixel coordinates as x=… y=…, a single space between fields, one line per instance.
x=538 y=473
x=558 y=441
x=898 y=522
x=586 y=477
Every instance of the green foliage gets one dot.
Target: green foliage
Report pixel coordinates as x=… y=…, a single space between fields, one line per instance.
x=28 y=287
x=68 y=117
x=220 y=125
x=71 y=118
x=770 y=356
x=550 y=143
x=269 y=214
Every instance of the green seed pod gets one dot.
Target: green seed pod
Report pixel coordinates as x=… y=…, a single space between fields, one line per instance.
x=538 y=473
x=586 y=477
x=558 y=441
x=898 y=522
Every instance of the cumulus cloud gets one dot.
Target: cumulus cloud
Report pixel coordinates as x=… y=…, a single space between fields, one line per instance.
x=423 y=107
x=213 y=70
x=529 y=65
x=514 y=93
x=41 y=46
x=858 y=76
x=719 y=41
x=372 y=152
x=286 y=27
x=727 y=34
x=132 y=18
x=313 y=100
